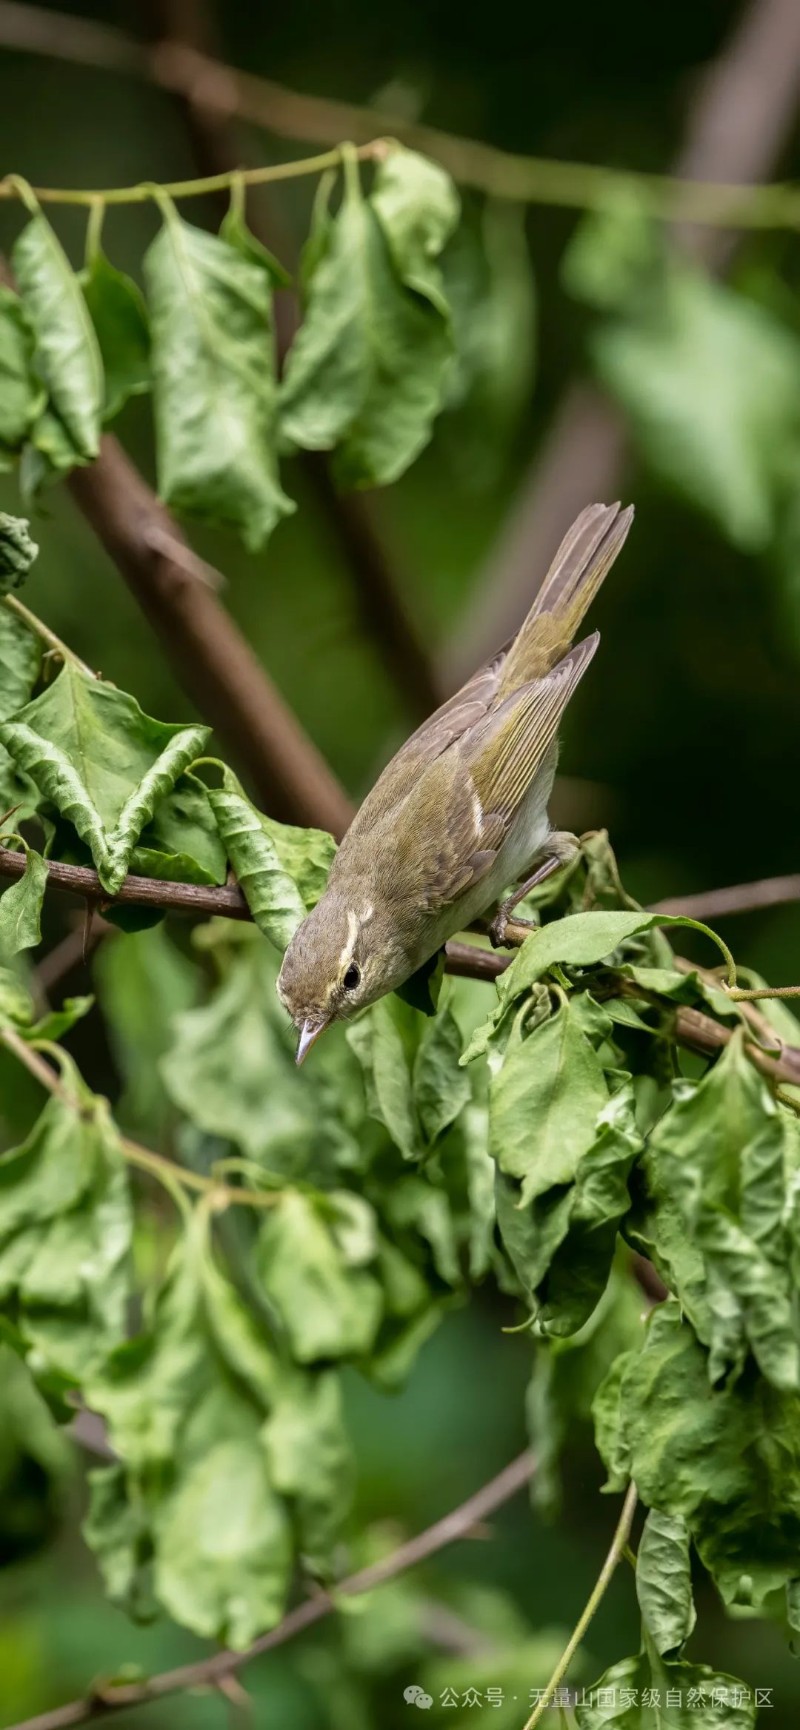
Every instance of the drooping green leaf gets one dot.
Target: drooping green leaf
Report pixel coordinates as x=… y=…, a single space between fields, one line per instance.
x=489 y=282
x=22 y=396
x=723 y=1157
x=545 y=1101
x=441 y=1088
x=20 y=660
x=310 y=1458
x=214 y=379
x=49 y=453
x=664 y=1580
x=17 y=551
x=117 y=1532
x=566 y=1375
x=143 y=983
x=725 y=1458
x=643 y=1694
x=16 y=1003
x=101 y=761
x=230 y=1068
x=186 y=1403
x=366 y=373
x=580 y=1265
x=67 y=352
x=21 y=907
x=708 y=379
x=65 y=1232
x=384 y=1041
x=330 y=1306
x=119 y=316
x=417 y=206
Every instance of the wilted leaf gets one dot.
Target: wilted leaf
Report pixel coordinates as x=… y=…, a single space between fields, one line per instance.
x=725 y=1459
x=144 y=983
x=21 y=907
x=20 y=660
x=22 y=396
x=710 y=381
x=644 y=1694
x=102 y=762
x=214 y=379
x=599 y=1201
x=664 y=1580
x=230 y=1069
x=119 y=315
x=384 y=1041
x=329 y=1307
x=65 y=1231
x=489 y=282
x=310 y=1458
x=721 y=1156
x=441 y=1089
x=282 y=870
x=365 y=375
x=545 y=1101
x=185 y=1403
x=566 y=1375
x=17 y=551
x=67 y=353
x=181 y=844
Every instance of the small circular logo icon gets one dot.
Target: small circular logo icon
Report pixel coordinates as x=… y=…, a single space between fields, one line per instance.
x=416 y=1696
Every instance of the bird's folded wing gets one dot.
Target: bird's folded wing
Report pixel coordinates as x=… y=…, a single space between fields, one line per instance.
x=469 y=797
x=505 y=752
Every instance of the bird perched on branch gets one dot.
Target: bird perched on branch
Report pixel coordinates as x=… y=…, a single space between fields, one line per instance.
x=460 y=813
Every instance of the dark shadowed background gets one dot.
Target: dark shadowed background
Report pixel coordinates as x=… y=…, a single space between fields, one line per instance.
x=682 y=741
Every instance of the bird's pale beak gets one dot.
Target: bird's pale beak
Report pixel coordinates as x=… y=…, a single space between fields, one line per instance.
x=309 y=1032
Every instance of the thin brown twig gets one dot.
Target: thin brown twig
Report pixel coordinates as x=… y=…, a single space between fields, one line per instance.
x=739 y=898
x=690 y=1027
x=209 y=1672
x=155 y=1164
x=180 y=69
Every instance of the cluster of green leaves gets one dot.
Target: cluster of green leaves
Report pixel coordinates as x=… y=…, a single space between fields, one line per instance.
x=708 y=373
x=378 y=354
x=416 y=1155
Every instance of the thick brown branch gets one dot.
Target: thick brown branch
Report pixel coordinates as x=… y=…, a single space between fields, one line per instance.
x=736 y=130
x=208 y=1672
x=213 y=661
x=691 y=1027
x=227 y=900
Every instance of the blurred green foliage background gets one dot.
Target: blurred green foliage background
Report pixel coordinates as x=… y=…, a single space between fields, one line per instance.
x=686 y=732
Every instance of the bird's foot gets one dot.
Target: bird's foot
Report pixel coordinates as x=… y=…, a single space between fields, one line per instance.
x=499 y=933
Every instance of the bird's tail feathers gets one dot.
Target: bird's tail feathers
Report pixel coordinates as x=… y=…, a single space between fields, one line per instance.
x=584 y=558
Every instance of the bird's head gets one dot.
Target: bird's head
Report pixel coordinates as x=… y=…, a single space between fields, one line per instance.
x=338 y=961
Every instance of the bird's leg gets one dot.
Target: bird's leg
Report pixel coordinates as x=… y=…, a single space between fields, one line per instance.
x=559 y=849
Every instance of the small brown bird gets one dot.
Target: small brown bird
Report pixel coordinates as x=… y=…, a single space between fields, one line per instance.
x=460 y=813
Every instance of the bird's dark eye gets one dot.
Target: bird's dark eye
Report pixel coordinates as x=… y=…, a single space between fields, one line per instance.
x=352 y=977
